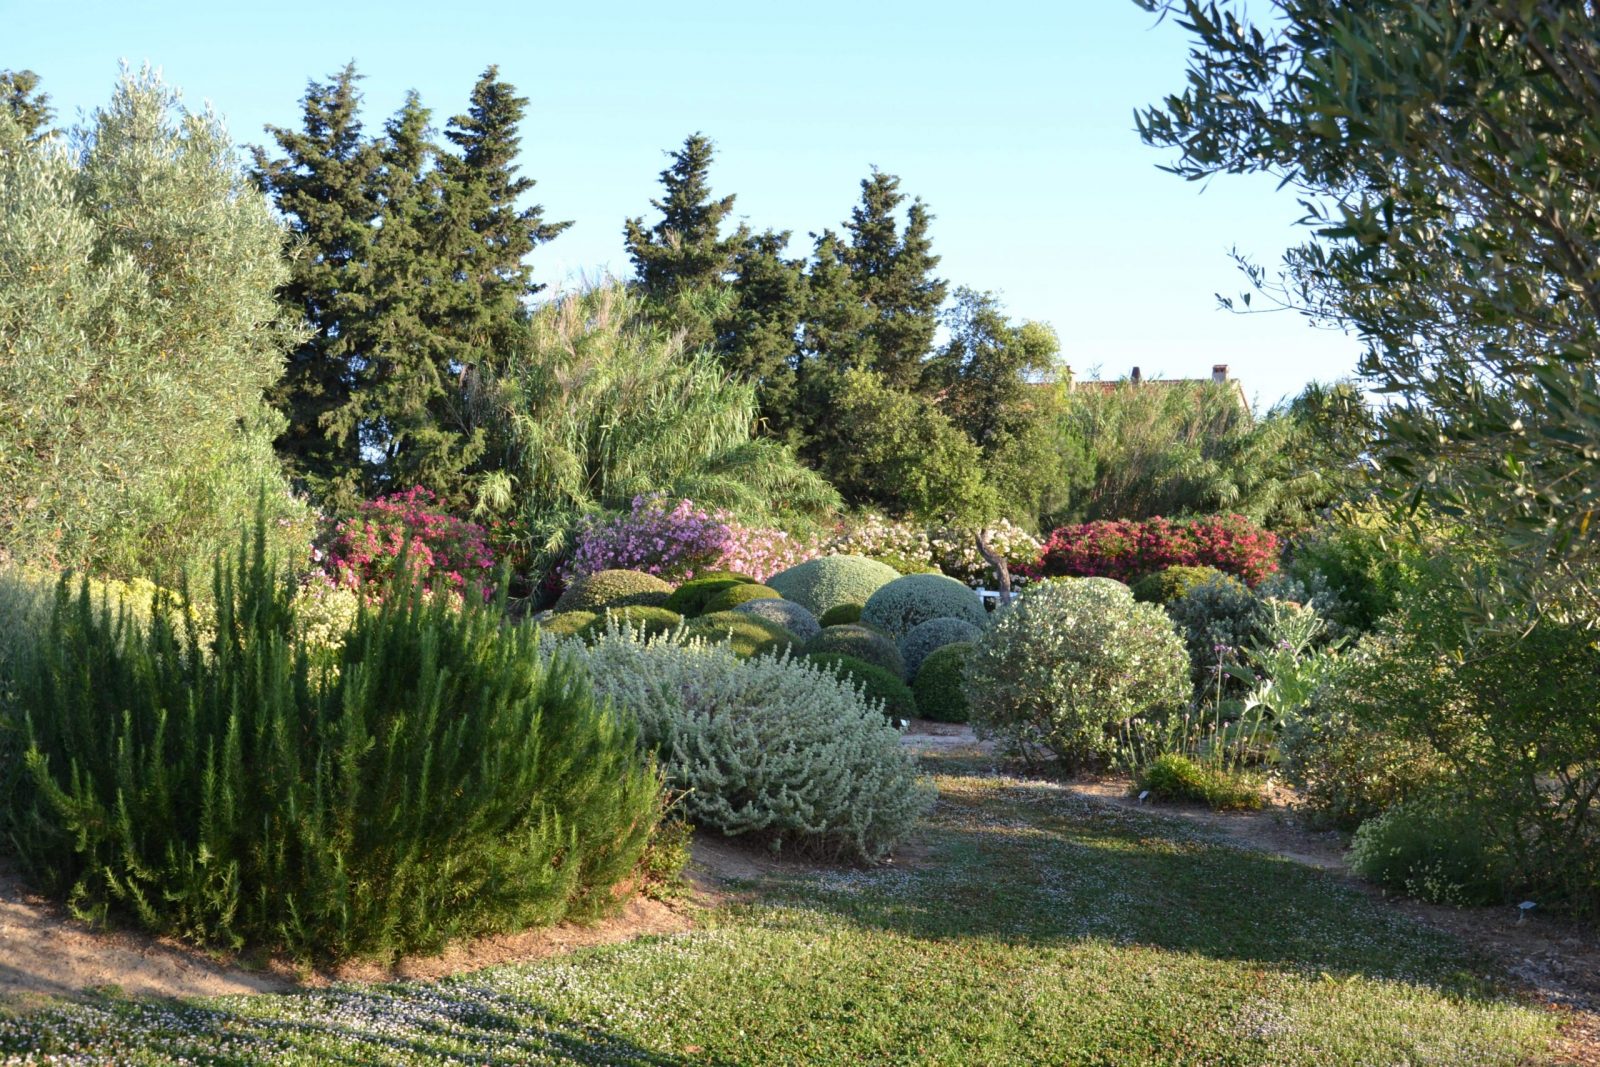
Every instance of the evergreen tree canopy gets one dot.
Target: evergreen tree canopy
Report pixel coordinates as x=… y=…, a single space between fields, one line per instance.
x=892 y=269
x=685 y=249
x=322 y=185
x=28 y=107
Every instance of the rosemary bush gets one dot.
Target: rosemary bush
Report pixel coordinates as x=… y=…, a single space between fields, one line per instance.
x=440 y=779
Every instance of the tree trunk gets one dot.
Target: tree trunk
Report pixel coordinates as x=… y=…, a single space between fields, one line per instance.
x=997 y=563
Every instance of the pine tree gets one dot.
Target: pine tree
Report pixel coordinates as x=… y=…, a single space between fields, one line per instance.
x=685 y=249
x=29 y=108
x=401 y=354
x=892 y=270
x=322 y=186
x=757 y=339
x=481 y=240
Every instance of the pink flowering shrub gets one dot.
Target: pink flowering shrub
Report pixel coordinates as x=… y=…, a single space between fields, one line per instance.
x=676 y=540
x=449 y=554
x=1129 y=549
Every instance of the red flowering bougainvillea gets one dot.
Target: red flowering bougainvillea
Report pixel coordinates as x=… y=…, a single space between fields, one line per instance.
x=1128 y=549
x=449 y=554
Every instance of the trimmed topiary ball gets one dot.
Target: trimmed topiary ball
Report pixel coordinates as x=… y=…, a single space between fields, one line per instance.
x=861 y=643
x=690 y=598
x=786 y=613
x=937 y=687
x=566 y=623
x=732 y=597
x=746 y=634
x=614 y=589
x=875 y=683
x=925 y=637
x=903 y=603
x=1167 y=585
x=822 y=583
x=841 y=615
x=650 y=621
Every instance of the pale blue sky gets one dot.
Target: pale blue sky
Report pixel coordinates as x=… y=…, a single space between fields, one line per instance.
x=1012 y=120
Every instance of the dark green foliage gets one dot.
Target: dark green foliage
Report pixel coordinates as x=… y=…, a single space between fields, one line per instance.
x=650 y=621
x=747 y=634
x=1433 y=850
x=322 y=186
x=1179 y=778
x=914 y=599
x=991 y=379
x=875 y=683
x=858 y=642
x=690 y=598
x=756 y=337
x=1167 y=585
x=841 y=615
x=685 y=249
x=937 y=686
x=925 y=637
x=21 y=100
x=895 y=450
x=1363 y=561
x=445 y=782
x=614 y=589
x=731 y=597
x=1218 y=619
x=568 y=623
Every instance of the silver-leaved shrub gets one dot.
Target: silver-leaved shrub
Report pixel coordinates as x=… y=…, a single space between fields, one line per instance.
x=769 y=746
x=1067 y=662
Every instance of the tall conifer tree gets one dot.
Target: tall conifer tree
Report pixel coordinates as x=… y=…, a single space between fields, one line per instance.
x=685 y=249
x=28 y=107
x=893 y=274
x=322 y=186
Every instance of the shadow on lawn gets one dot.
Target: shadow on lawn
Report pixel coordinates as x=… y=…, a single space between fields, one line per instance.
x=444 y=1023
x=1020 y=861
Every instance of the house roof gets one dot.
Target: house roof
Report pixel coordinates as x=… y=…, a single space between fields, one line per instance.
x=1219 y=376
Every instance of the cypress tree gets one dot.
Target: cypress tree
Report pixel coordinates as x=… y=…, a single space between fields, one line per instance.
x=29 y=108
x=893 y=274
x=685 y=249
x=322 y=185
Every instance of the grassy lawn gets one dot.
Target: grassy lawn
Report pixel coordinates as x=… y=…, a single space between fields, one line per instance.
x=1037 y=929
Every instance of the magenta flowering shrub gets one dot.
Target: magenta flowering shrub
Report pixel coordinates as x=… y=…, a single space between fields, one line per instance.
x=1127 y=549
x=677 y=540
x=449 y=554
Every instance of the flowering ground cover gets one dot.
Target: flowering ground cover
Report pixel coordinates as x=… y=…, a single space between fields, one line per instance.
x=1033 y=927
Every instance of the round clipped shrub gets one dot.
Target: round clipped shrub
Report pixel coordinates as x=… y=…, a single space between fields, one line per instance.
x=649 y=621
x=925 y=637
x=1170 y=583
x=819 y=584
x=875 y=683
x=903 y=603
x=937 y=687
x=779 y=748
x=614 y=589
x=860 y=643
x=786 y=613
x=841 y=615
x=746 y=634
x=566 y=623
x=1069 y=661
x=689 y=599
x=732 y=597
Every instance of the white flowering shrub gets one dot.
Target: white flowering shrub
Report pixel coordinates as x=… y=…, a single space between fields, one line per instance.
x=955 y=551
x=1067 y=662
x=771 y=746
x=900 y=544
